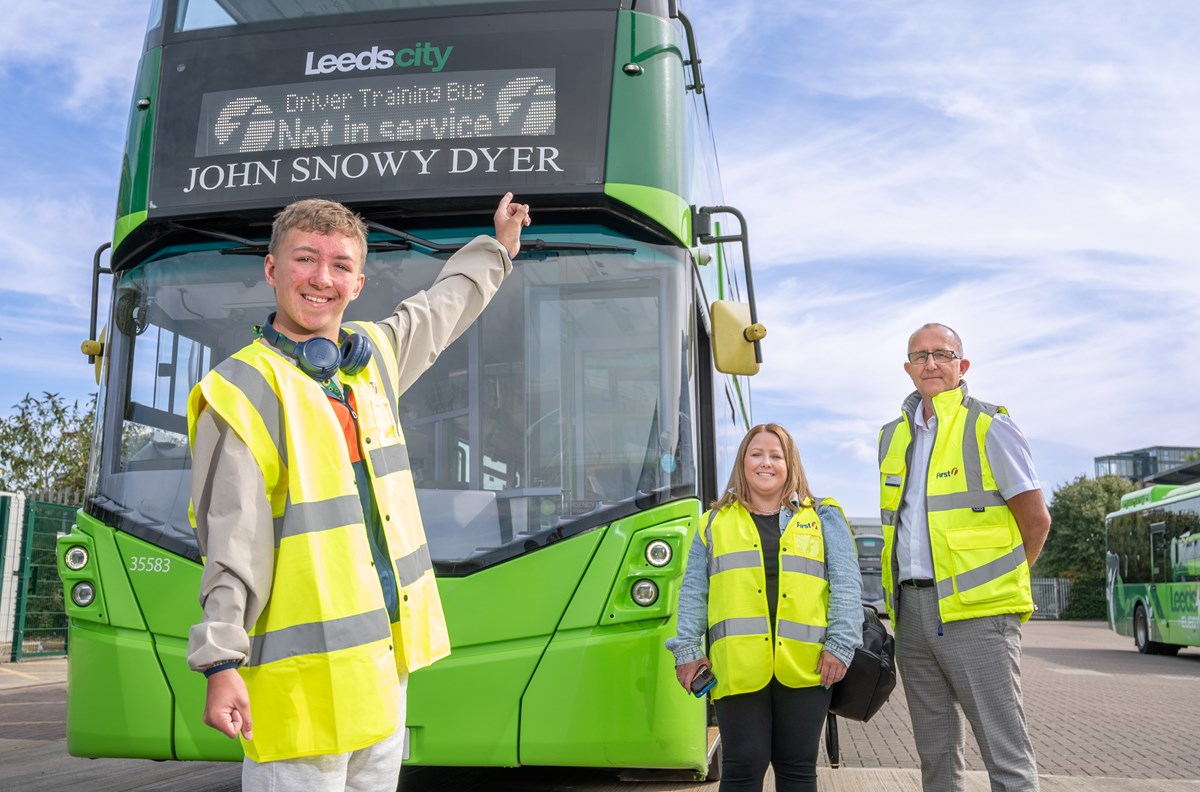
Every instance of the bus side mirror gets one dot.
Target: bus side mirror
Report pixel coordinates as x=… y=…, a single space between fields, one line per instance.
x=733 y=338
x=94 y=349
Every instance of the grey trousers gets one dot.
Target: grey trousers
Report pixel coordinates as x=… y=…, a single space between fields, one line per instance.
x=973 y=669
x=375 y=768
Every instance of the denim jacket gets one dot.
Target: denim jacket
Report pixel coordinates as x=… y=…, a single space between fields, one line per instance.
x=844 y=632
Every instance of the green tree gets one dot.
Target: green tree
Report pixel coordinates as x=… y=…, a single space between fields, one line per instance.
x=44 y=444
x=1075 y=547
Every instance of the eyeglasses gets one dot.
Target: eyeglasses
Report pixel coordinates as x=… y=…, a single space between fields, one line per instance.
x=939 y=356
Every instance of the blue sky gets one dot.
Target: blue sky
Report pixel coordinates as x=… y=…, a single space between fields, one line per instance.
x=1025 y=172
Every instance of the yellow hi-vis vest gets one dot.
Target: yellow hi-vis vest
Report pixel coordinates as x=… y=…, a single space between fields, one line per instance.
x=744 y=650
x=324 y=663
x=978 y=556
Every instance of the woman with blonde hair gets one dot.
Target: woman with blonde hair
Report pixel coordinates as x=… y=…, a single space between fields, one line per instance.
x=773 y=580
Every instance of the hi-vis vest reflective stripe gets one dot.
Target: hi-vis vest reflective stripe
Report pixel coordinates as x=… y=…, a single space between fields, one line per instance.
x=978 y=556
x=740 y=644
x=322 y=673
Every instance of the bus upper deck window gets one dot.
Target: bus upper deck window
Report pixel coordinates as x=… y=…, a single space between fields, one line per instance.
x=201 y=14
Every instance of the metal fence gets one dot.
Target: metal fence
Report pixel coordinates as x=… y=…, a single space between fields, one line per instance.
x=40 y=623
x=64 y=496
x=1051 y=596
x=11 y=505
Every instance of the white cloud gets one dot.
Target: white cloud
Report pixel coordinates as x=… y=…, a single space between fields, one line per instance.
x=1090 y=355
x=1025 y=173
x=51 y=243
x=66 y=71
x=924 y=127
x=90 y=48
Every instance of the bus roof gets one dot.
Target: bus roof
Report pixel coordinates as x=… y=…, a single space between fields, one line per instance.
x=1151 y=494
x=1156 y=494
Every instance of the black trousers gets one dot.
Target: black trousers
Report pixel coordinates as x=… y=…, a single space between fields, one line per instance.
x=777 y=725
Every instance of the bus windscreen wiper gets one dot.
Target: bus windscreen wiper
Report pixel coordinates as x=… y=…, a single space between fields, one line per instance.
x=411 y=239
x=248 y=247
x=527 y=245
x=406 y=241
x=263 y=249
x=590 y=247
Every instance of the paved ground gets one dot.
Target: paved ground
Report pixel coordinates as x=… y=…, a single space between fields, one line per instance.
x=33 y=700
x=1096 y=708
x=1103 y=718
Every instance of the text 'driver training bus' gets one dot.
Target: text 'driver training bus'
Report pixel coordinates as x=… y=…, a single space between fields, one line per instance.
x=1153 y=568
x=562 y=449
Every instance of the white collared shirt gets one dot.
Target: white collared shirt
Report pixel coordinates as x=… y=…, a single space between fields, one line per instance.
x=1012 y=466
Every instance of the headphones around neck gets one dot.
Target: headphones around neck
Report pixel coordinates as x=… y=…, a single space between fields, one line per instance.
x=319 y=357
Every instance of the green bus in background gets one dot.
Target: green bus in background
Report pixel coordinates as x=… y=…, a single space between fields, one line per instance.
x=1153 y=568
x=562 y=449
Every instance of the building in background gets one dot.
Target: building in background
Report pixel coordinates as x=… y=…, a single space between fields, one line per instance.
x=865 y=525
x=12 y=517
x=1155 y=465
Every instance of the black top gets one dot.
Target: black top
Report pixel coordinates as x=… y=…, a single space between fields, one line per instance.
x=768 y=533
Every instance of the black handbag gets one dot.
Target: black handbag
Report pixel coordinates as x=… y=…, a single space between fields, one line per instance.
x=871 y=677
x=868 y=682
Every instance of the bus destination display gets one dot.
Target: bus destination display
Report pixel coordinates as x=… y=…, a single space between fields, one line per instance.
x=367 y=119
x=384 y=109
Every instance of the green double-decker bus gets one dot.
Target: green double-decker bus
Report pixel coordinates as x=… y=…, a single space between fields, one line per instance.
x=562 y=449
x=1153 y=568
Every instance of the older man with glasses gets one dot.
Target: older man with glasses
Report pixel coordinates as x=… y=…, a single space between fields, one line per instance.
x=964 y=519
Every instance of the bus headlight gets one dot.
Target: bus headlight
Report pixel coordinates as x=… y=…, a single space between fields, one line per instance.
x=644 y=592
x=76 y=558
x=83 y=594
x=658 y=553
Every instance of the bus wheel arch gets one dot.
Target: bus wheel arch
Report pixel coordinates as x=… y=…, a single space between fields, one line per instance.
x=1141 y=632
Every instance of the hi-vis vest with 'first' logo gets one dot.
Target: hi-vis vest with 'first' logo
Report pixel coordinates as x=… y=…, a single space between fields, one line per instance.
x=324 y=663
x=744 y=649
x=978 y=556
